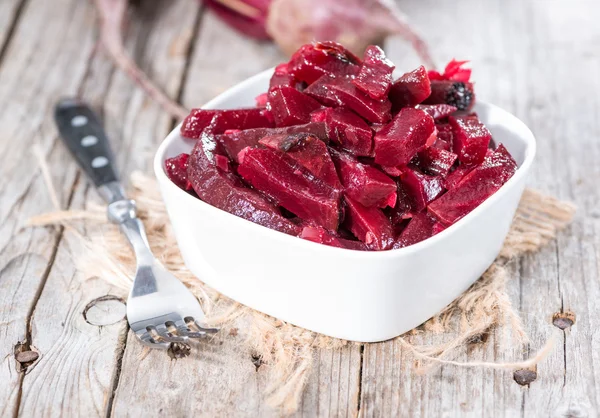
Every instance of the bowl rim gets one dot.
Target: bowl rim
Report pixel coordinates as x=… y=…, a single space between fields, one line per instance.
x=159 y=171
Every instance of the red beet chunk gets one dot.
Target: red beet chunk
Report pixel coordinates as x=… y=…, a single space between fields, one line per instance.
x=419 y=228
x=420 y=188
x=369 y=225
x=435 y=161
x=261 y=100
x=225 y=191
x=398 y=142
x=218 y=121
x=290 y=107
x=445 y=138
x=475 y=187
x=308 y=151
x=438 y=111
x=456 y=176
x=291 y=185
x=410 y=89
x=347 y=129
x=321 y=236
x=437 y=228
x=235 y=141
x=365 y=184
x=314 y=60
x=402 y=211
x=392 y=171
x=338 y=91
x=282 y=77
x=471 y=139
x=223 y=163
x=375 y=76
x=455 y=93
x=176 y=169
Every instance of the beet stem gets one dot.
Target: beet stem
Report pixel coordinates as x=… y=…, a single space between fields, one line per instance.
x=112 y=13
x=240 y=7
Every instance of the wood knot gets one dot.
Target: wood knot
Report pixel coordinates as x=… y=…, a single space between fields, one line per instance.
x=479 y=338
x=525 y=376
x=105 y=310
x=179 y=350
x=25 y=355
x=563 y=320
x=256 y=360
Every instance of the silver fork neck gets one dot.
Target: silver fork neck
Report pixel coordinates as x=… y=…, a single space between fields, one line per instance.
x=124 y=213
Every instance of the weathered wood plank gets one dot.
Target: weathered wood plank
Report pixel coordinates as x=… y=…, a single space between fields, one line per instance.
x=73 y=350
x=519 y=71
x=9 y=16
x=573 y=36
x=60 y=45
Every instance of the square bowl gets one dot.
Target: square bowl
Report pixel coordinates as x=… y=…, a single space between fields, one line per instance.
x=354 y=295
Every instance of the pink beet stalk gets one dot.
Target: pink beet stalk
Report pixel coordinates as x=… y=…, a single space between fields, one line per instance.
x=112 y=13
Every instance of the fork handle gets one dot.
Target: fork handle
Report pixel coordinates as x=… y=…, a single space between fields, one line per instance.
x=83 y=134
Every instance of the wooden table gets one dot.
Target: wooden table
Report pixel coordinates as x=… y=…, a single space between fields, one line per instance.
x=538 y=59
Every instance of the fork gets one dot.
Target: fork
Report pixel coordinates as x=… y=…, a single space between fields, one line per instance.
x=160 y=309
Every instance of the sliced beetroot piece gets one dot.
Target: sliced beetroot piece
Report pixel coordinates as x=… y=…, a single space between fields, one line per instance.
x=437 y=228
x=291 y=186
x=308 y=151
x=339 y=91
x=290 y=107
x=177 y=170
x=223 y=163
x=282 y=77
x=475 y=187
x=392 y=171
x=220 y=120
x=375 y=76
x=347 y=129
x=419 y=228
x=225 y=191
x=420 y=188
x=363 y=183
x=235 y=141
x=438 y=111
x=435 y=161
x=402 y=211
x=369 y=225
x=445 y=138
x=456 y=176
x=314 y=60
x=261 y=100
x=321 y=236
x=470 y=139
x=398 y=142
x=410 y=89
x=455 y=93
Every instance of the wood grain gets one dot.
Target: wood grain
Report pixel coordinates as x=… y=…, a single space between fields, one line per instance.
x=76 y=354
x=10 y=11
x=61 y=46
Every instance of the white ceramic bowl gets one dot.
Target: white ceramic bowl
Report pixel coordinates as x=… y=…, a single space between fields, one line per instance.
x=361 y=296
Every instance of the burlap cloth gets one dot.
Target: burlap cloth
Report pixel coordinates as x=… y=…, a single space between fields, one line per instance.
x=289 y=350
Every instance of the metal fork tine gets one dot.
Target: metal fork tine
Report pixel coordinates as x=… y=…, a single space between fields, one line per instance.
x=191 y=322
x=171 y=338
x=147 y=339
x=164 y=333
x=206 y=330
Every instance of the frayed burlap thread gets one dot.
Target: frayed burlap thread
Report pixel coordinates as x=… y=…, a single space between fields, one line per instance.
x=288 y=350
